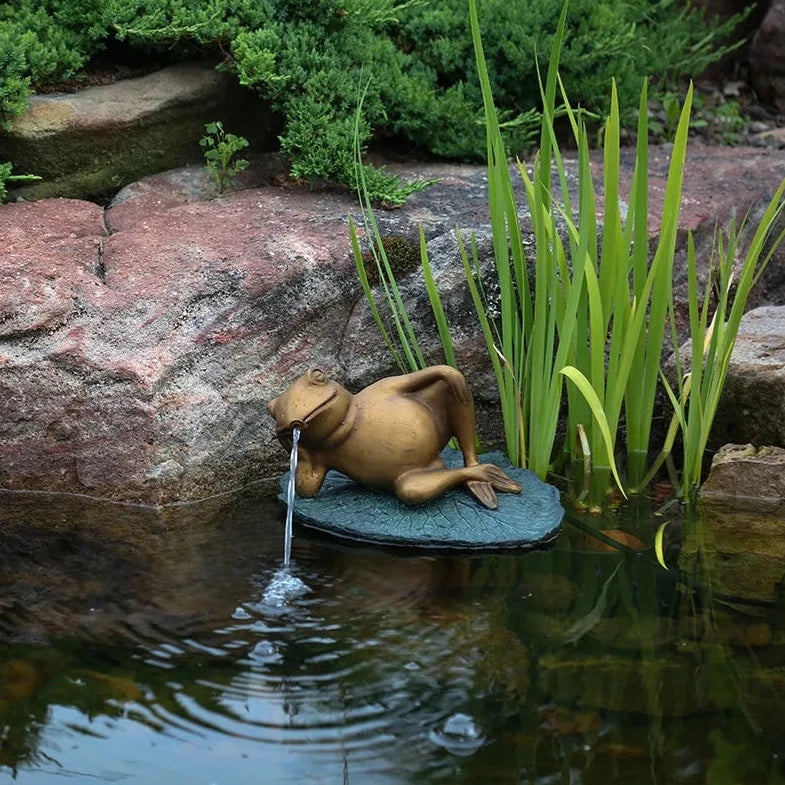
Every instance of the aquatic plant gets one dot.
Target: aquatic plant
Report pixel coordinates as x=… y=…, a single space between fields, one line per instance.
x=220 y=149
x=731 y=276
x=597 y=306
x=403 y=345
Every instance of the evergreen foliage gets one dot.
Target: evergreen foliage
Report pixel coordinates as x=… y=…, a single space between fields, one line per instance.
x=310 y=60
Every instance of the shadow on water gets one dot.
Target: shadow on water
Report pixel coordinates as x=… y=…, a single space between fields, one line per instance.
x=143 y=646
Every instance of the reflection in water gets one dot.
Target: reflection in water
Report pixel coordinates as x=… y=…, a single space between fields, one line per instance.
x=189 y=655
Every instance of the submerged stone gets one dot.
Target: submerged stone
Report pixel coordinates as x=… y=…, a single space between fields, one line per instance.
x=455 y=520
x=740 y=553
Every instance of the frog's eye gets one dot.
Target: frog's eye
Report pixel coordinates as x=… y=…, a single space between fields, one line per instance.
x=318 y=376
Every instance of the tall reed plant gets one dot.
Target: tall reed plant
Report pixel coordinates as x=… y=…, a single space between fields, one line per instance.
x=623 y=309
x=592 y=305
x=597 y=310
x=402 y=341
x=698 y=390
x=535 y=334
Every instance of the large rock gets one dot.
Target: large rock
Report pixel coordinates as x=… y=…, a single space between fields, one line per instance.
x=767 y=56
x=747 y=477
x=139 y=345
x=90 y=143
x=752 y=407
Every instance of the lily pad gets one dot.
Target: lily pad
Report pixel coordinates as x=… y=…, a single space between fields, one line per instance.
x=454 y=520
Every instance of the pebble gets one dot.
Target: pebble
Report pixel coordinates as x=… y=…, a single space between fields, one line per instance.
x=758 y=127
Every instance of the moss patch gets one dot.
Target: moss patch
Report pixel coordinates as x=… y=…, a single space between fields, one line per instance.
x=402 y=254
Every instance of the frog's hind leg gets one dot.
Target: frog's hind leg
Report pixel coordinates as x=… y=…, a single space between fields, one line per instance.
x=483 y=492
x=461 y=415
x=422 y=485
x=461 y=418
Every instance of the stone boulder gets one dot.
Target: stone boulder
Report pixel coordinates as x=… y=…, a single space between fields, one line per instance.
x=747 y=477
x=91 y=143
x=752 y=408
x=767 y=56
x=139 y=344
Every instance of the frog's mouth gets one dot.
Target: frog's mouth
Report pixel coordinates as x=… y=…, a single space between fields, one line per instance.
x=305 y=421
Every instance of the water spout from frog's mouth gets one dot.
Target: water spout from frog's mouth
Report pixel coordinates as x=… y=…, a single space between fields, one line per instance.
x=288 y=430
x=287 y=548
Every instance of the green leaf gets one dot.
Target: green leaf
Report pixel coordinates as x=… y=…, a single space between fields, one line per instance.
x=658 y=547
x=582 y=383
x=436 y=304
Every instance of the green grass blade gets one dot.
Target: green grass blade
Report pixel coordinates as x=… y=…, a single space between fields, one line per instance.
x=506 y=389
x=367 y=291
x=410 y=347
x=549 y=105
x=436 y=304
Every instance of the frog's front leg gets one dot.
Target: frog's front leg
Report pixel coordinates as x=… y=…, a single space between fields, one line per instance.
x=310 y=474
x=458 y=407
x=419 y=380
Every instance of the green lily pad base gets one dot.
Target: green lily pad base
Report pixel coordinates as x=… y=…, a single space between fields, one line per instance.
x=455 y=520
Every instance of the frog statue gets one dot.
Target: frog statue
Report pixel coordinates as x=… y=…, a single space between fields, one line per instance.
x=388 y=436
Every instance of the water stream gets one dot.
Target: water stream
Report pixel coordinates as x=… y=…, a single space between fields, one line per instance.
x=287 y=545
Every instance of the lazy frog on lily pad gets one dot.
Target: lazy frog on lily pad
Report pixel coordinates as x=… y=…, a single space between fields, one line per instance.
x=388 y=436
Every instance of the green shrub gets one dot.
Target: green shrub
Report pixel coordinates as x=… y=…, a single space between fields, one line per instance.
x=42 y=41
x=310 y=59
x=664 y=40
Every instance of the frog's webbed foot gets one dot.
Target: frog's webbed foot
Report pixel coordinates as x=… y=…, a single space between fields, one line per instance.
x=493 y=478
x=483 y=492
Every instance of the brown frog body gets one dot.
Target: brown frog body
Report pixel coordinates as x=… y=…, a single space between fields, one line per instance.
x=387 y=436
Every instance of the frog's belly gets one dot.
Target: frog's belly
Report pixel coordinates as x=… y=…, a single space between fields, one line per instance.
x=394 y=437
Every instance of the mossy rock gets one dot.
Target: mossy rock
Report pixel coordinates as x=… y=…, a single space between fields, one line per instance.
x=403 y=256
x=89 y=144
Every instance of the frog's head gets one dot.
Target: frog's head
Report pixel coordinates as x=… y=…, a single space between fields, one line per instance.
x=314 y=403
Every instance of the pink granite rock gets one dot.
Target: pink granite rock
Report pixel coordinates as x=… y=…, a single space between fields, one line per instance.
x=138 y=346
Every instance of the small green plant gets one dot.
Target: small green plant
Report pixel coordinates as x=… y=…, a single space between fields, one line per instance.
x=219 y=151
x=715 y=119
x=6 y=177
x=728 y=120
x=664 y=115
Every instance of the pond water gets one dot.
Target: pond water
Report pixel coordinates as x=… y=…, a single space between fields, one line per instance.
x=170 y=650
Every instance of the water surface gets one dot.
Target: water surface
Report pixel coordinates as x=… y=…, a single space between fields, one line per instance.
x=144 y=647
